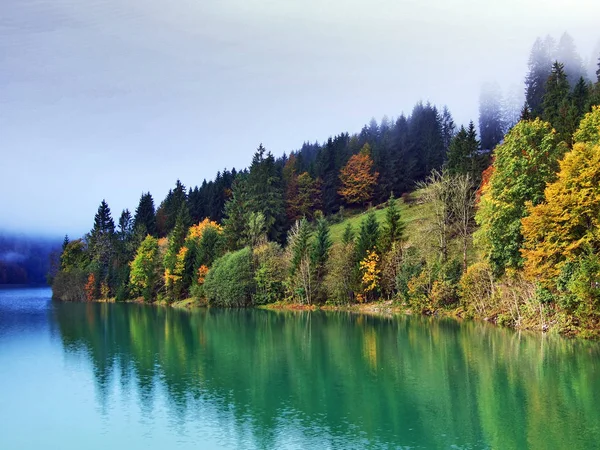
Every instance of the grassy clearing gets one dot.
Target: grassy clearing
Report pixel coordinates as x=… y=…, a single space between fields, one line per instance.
x=414 y=215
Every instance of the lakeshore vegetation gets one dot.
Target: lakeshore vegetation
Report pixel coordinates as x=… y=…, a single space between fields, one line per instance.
x=501 y=226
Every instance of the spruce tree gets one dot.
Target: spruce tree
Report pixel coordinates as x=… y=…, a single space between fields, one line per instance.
x=101 y=243
x=368 y=237
x=125 y=225
x=145 y=215
x=491 y=125
x=320 y=256
x=539 y=69
x=556 y=101
x=393 y=227
x=348 y=236
x=265 y=193
x=237 y=210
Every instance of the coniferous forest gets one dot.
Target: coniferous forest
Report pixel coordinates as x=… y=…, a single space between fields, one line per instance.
x=498 y=222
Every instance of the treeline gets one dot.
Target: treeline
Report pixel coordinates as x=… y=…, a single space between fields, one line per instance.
x=263 y=234
x=261 y=204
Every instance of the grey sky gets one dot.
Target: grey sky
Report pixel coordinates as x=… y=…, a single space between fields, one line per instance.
x=109 y=98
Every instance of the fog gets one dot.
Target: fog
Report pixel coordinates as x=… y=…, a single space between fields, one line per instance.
x=109 y=98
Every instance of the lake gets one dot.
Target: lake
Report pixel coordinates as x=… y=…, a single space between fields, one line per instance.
x=110 y=376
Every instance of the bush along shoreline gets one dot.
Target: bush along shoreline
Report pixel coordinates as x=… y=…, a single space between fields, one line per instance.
x=507 y=232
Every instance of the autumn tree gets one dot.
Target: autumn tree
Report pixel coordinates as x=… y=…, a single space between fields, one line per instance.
x=358 y=179
x=145 y=269
x=523 y=164
x=565 y=226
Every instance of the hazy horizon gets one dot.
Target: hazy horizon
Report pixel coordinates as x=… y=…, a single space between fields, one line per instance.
x=105 y=99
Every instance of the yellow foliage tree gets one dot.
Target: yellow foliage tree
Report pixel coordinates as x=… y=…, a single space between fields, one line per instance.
x=371 y=273
x=358 y=179
x=567 y=224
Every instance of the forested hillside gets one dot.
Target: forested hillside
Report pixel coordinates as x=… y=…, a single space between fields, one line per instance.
x=498 y=238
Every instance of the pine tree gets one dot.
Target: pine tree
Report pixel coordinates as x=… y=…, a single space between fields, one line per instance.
x=448 y=129
x=237 y=210
x=539 y=71
x=393 y=227
x=368 y=237
x=319 y=257
x=567 y=54
x=145 y=215
x=525 y=113
x=65 y=242
x=301 y=269
x=556 y=101
x=265 y=193
x=491 y=126
x=348 y=236
x=125 y=225
x=102 y=245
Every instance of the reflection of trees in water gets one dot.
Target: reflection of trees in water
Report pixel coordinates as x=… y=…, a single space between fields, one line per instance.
x=405 y=380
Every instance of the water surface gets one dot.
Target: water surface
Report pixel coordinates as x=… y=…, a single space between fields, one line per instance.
x=100 y=376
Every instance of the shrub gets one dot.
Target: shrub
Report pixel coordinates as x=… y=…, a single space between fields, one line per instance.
x=70 y=286
x=340 y=281
x=271 y=269
x=410 y=268
x=230 y=281
x=476 y=288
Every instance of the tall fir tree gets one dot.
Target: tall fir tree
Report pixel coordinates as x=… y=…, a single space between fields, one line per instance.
x=491 y=125
x=319 y=256
x=145 y=215
x=540 y=62
x=265 y=193
x=556 y=101
x=368 y=237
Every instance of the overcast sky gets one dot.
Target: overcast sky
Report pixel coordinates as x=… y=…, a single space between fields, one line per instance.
x=109 y=98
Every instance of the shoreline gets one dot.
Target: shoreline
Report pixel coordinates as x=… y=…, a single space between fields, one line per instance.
x=383 y=308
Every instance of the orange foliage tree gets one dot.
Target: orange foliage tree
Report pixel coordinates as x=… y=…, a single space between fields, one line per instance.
x=358 y=179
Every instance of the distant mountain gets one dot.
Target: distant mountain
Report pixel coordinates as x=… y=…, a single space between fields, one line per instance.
x=26 y=259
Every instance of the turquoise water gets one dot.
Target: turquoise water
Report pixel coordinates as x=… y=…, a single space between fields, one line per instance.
x=109 y=376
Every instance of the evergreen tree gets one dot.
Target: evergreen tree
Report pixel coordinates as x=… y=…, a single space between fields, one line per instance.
x=319 y=257
x=556 y=101
x=101 y=243
x=491 y=125
x=368 y=237
x=464 y=156
x=125 y=225
x=580 y=97
x=393 y=227
x=348 y=236
x=525 y=113
x=448 y=129
x=65 y=242
x=265 y=193
x=237 y=210
x=567 y=54
x=539 y=70
x=145 y=215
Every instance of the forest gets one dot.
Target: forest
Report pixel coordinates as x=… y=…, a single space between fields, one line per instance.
x=498 y=222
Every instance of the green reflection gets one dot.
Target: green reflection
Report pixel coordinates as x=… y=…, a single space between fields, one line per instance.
x=355 y=380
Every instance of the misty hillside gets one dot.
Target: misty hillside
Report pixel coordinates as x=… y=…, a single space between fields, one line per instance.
x=25 y=260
